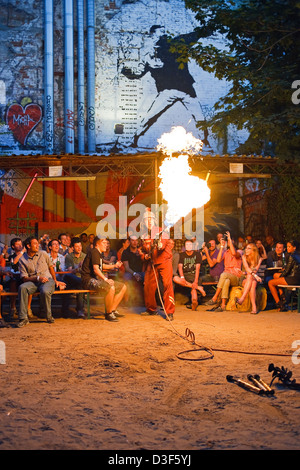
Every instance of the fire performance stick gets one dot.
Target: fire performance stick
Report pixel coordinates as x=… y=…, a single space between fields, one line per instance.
x=245 y=385
x=264 y=384
x=256 y=380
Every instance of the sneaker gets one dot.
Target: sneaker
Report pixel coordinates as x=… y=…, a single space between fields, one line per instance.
x=50 y=320
x=111 y=317
x=80 y=314
x=23 y=322
x=117 y=314
x=170 y=317
x=147 y=313
x=219 y=309
x=210 y=302
x=3 y=323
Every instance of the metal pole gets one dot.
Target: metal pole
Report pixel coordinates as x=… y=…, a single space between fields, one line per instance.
x=91 y=75
x=69 y=77
x=80 y=83
x=48 y=78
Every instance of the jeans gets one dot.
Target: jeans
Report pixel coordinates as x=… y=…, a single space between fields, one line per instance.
x=46 y=290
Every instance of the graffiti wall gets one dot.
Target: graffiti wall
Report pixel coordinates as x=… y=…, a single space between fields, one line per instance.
x=140 y=93
x=140 y=90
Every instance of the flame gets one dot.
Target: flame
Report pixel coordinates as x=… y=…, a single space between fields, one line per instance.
x=178 y=140
x=181 y=190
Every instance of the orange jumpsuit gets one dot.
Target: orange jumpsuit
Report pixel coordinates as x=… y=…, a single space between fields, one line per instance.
x=161 y=261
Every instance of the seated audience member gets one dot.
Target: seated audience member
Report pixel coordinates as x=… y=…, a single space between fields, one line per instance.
x=63 y=241
x=263 y=255
x=90 y=244
x=132 y=259
x=15 y=281
x=261 y=249
x=4 y=252
x=241 y=243
x=110 y=255
x=110 y=258
x=270 y=243
x=84 y=242
x=189 y=272
x=220 y=238
x=274 y=257
x=249 y=239
x=289 y=276
x=44 y=242
x=69 y=238
x=56 y=258
x=196 y=245
x=251 y=263
x=125 y=245
x=93 y=278
x=216 y=268
x=230 y=276
x=73 y=264
x=37 y=274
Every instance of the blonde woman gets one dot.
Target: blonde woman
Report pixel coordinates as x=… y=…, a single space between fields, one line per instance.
x=251 y=263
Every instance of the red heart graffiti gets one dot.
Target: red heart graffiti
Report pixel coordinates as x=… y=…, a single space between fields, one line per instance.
x=22 y=121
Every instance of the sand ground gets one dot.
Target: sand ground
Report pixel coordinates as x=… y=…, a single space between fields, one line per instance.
x=90 y=384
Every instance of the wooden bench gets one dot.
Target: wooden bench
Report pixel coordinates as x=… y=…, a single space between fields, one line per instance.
x=293 y=289
x=212 y=284
x=66 y=291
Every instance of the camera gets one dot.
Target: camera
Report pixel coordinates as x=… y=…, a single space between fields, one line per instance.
x=225 y=236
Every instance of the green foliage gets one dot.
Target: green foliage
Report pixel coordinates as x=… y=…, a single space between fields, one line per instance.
x=283 y=202
x=256 y=47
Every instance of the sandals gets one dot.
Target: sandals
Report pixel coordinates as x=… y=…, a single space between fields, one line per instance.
x=236 y=301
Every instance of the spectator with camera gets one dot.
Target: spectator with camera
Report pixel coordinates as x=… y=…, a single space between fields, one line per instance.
x=221 y=237
x=210 y=253
x=230 y=277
